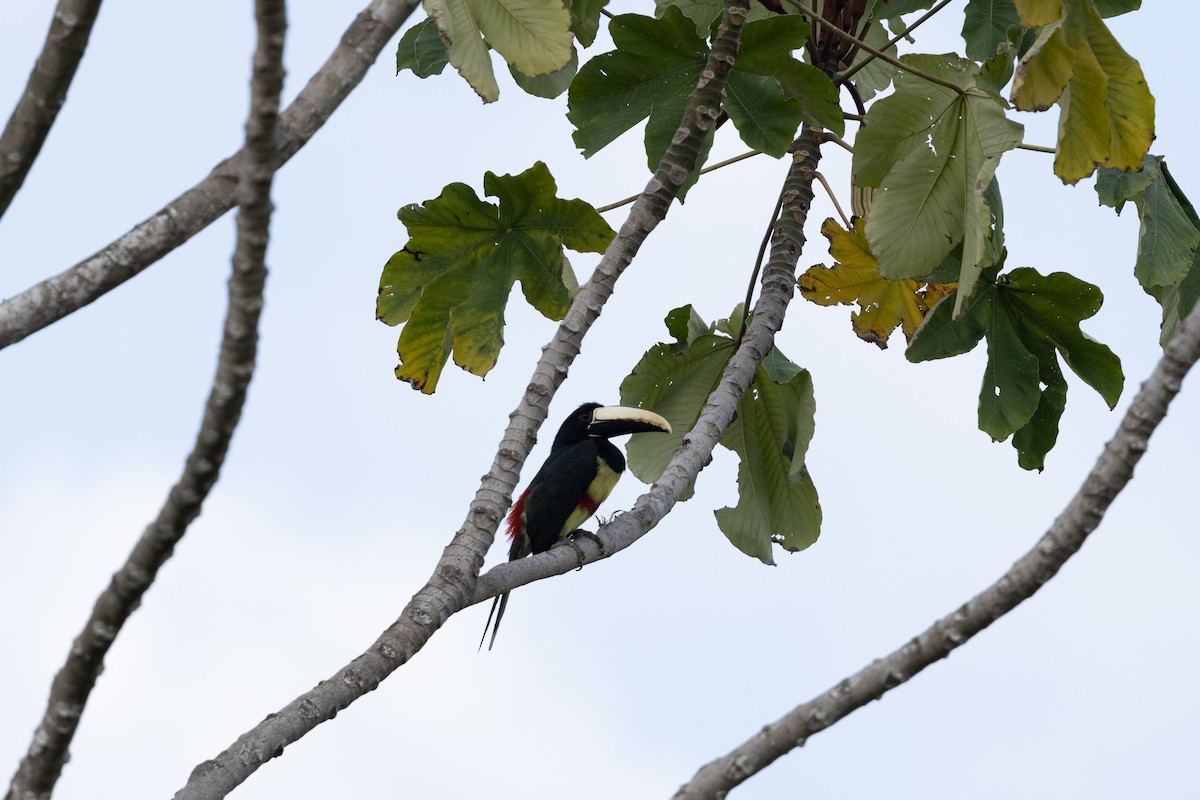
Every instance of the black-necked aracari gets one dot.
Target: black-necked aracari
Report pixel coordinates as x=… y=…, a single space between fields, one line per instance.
x=581 y=471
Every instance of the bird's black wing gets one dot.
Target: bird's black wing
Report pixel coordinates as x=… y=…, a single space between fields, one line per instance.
x=556 y=490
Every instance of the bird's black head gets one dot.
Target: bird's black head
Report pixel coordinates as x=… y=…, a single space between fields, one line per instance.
x=595 y=420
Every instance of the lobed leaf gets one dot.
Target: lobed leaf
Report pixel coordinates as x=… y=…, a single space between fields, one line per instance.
x=771 y=432
x=450 y=283
x=1029 y=321
x=884 y=305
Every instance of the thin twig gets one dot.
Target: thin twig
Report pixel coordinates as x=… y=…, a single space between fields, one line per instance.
x=44 y=94
x=833 y=197
x=1037 y=148
x=40 y=768
x=453 y=583
x=1110 y=475
x=882 y=56
x=198 y=207
x=845 y=76
x=705 y=171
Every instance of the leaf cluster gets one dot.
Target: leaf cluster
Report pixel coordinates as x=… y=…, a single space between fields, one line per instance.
x=1029 y=321
x=777 y=500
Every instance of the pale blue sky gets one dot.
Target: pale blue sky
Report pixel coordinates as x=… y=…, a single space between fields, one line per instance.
x=343 y=485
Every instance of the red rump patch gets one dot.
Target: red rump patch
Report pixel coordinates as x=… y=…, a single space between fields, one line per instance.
x=586 y=503
x=516 y=517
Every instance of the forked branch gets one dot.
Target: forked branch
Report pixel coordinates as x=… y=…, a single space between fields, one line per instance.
x=452 y=585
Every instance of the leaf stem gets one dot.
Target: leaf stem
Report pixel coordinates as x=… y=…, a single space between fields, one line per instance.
x=833 y=197
x=705 y=171
x=845 y=76
x=1037 y=148
x=895 y=62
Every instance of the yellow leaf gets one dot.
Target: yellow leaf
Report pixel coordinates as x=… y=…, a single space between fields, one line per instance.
x=883 y=305
x=1107 y=111
x=1038 y=12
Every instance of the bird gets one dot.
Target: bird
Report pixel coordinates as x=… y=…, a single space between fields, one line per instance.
x=581 y=471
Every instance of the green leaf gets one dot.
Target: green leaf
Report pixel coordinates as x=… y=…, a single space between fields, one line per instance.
x=585 y=19
x=657 y=64
x=1112 y=8
x=771 y=432
x=1169 y=241
x=933 y=152
x=533 y=36
x=777 y=501
x=1029 y=321
x=548 y=86
x=422 y=50
x=655 y=61
x=673 y=380
x=451 y=282
x=1009 y=394
x=1052 y=307
x=889 y=9
x=986 y=26
x=702 y=13
x=1038 y=437
x=997 y=71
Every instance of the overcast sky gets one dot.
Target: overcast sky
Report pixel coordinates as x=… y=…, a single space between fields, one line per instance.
x=343 y=485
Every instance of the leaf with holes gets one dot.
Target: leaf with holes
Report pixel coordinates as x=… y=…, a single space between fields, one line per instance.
x=1029 y=321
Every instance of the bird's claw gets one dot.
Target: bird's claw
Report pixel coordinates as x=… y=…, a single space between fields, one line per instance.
x=582 y=534
x=569 y=541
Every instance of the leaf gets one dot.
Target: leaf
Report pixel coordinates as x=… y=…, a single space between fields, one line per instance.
x=1038 y=436
x=1029 y=321
x=932 y=151
x=548 y=86
x=674 y=380
x=451 y=282
x=884 y=305
x=1169 y=241
x=533 y=36
x=655 y=61
x=421 y=49
x=777 y=500
x=1106 y=109
x=464 y=45
x=889 y=9
x=771 y=432
x=657 y=64
x=986 y=25
x=1052 y=307
x=702 y=13
x=877 y=75
x=1112 y=8
x=1009 y=394
x=585 y=19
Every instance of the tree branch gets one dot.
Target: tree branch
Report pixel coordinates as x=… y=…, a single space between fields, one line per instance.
x=452 y=585
x=44 y=94
x=1113 y=470
x=198 y=207
x=43 y=763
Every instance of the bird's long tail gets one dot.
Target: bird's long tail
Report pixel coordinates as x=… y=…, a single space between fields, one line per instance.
x=500 y=602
